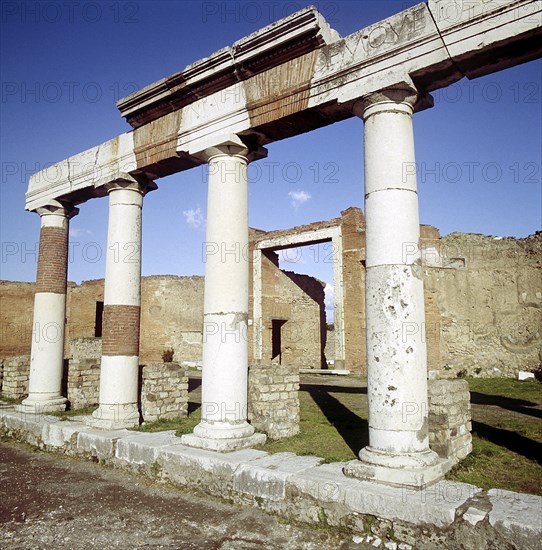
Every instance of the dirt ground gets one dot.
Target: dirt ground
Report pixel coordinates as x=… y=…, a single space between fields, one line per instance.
x=53 y=501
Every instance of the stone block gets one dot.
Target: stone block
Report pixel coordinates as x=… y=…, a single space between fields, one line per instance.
x=266 y=477
x=142 y=448
x=517 y=516
x=98 y=443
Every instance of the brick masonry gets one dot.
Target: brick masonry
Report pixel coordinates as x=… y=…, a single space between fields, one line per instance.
x=483 y=307
x=273 y=399
x=16 y=371
x=83 y=373
x=164 y=391
x=53 y=260
x=121 y=330
x=450 y=418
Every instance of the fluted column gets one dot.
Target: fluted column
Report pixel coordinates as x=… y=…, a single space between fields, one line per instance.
x=224 y=425
x=398 y=451
x=119 y=369
x=47 y=355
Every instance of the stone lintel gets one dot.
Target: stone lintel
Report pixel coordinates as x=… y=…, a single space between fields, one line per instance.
x=273 y=45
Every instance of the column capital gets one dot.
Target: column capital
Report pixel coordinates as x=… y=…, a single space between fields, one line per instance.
x=400 y=98
x=56 y=208
x=232 y=146
x=127 y=182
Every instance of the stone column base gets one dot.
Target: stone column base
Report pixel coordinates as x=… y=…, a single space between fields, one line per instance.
x=112 y=417
x=31 y=406
x=223 y=445
x=415 y=477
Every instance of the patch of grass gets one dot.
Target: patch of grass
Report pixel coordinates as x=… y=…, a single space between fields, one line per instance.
x=181 y=426
x=70 y=413
x=526 y=390
x=10 y=400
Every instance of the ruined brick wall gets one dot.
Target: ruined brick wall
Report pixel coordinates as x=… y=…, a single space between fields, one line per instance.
x=273 y=399
x=490 y=301
x=171 y=318
x=16 y=312
x=83 y=372
x=164 y=391
x=16 y=371
x=299 y=301
x=353 y=241
x=449 y=418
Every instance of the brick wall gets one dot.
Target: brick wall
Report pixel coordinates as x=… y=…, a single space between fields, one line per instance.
x=53 y=260
x=450 y=418
x=83 y=375
x=164 y=391
x=15 y=377
x=273 y=399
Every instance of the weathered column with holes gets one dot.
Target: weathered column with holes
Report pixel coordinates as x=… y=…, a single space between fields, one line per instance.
x=224 y=425
x=47 y=355
x=119 y=371
x=398 y=451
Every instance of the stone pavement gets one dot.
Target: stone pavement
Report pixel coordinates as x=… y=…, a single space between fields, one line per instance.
x=302 y=488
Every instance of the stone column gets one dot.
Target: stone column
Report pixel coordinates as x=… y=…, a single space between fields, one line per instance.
x=224 y=425
x=398 y=451
x=47 y=355
x=119 y=371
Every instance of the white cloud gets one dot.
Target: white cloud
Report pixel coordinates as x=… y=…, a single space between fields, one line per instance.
x=299 y=197
x=194 y=218
x=77 y=232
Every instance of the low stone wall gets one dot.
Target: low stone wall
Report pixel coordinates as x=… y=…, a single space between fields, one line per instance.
x=164 y=391
x=447 y=515
x=450 y=418
x=273 y=399
x=15 y=377
x=83 y=385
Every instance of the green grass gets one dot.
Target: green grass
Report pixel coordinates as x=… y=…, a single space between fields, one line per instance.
x=183 y=425
x=70 y=413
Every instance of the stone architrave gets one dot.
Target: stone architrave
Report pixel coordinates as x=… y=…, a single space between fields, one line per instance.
x=119 y=369
x=47 y=356
x=224 y=425
x=398 y=452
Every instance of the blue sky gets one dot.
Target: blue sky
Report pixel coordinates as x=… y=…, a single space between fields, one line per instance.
x=64 y=65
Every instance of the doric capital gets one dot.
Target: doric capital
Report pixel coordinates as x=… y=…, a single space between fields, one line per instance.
x=232 y=146
x=56 y=208
x=128 y=182
x=400 y=98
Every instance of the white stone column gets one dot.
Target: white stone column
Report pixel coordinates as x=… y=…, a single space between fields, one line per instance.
x=47 y=355
x=398 y=451
x=224 y=425
x=119 y=371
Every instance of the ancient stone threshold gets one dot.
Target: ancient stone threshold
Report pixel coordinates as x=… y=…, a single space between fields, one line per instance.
x=301 y=488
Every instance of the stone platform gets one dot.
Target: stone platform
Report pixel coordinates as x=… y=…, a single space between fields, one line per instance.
x=301 y=488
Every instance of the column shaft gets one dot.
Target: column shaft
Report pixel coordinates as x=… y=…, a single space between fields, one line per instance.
x=119 y=372
x=394 y=298
x=224 y=425
x=47 y=355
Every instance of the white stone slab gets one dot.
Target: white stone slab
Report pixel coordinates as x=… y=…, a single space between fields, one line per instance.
x=183 y=458
x=522 y=375
x=60 y=434
x=435 y=505
x=143 y=448
x=98 y=443
x=266 y=477
x=518 y=515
